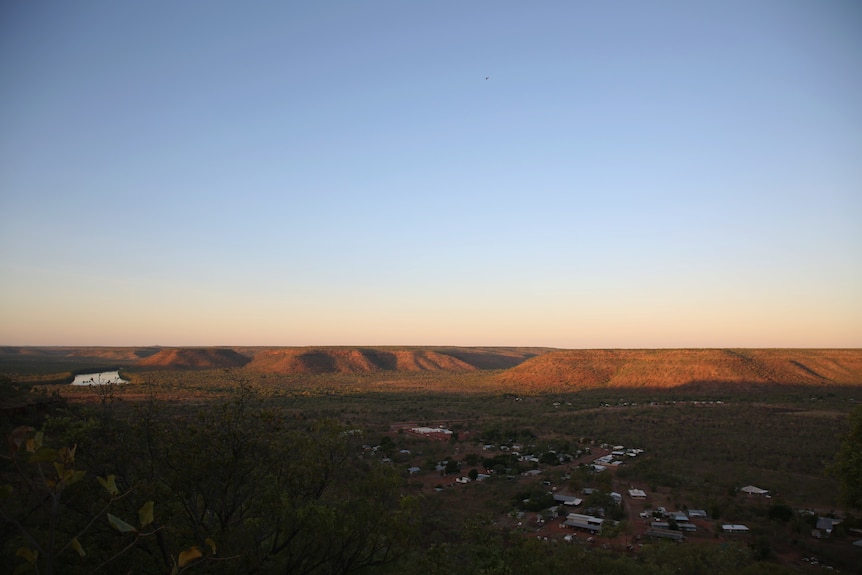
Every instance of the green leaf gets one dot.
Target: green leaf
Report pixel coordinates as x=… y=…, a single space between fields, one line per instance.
x=29 y=555
x=76 y=545
x=120 y=525
x=110 y=484
x=212 y=545
x=43 y=455
x=145 y=514
x=67 y=454
x=20 y=438
x=76 y=477
x=189 y=555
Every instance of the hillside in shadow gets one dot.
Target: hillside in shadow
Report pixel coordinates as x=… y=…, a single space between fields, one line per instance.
x=354 y=361
x=194 y=358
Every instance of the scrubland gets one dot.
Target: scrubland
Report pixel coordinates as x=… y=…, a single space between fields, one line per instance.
x=258 y=469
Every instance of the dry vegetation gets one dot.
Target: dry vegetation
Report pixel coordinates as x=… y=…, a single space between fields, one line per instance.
x=587 y=369
x=702 y=437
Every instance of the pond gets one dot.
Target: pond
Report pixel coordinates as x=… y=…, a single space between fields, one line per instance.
x=102 y=378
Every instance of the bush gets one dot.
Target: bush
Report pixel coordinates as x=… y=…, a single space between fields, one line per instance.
x=781 y=512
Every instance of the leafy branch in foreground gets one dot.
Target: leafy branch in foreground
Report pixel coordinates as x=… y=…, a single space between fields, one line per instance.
x=44 y=507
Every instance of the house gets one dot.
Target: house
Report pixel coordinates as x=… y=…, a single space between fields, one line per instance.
x=826 y=524
x=752 y=490
x=430 y=430
x=696 y=514
x=616 y=497
x=567 y=499
x=679 y=516
x=587 y=522
x=686 y=526
x=463 y=480
x=665 y=534
x=412 y=470
x=732 y=528
x=532 y=472
x=637 y=494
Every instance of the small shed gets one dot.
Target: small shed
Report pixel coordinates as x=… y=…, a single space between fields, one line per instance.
x=826 y=524
x=568 y=499
x=587 y=522
x=659 y=533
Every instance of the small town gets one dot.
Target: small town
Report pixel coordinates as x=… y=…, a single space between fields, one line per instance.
x=581 y=498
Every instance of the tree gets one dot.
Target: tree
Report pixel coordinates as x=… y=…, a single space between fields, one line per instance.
x=549 y=458
x=233 y=488
x=52 y=511
x=781 y=512
x=848 y=462
x=290 y=500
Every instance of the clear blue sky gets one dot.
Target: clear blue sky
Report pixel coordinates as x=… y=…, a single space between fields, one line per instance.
x=568 y=174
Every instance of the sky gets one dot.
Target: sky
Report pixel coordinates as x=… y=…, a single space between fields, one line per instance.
x=569 y=174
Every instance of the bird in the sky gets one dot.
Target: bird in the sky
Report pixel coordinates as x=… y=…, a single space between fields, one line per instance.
x=486 y=77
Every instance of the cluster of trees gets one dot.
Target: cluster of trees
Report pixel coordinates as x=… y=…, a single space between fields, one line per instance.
x=239 y=485
x=235 y=488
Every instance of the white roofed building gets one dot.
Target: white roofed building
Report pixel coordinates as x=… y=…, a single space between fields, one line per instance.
x=752 y=490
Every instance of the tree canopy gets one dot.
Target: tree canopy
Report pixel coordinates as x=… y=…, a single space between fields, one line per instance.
x=848 y=462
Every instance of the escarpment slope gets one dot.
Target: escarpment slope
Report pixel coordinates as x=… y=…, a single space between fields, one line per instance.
x=353 y=361
x=664 y=368
x=194 y=358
